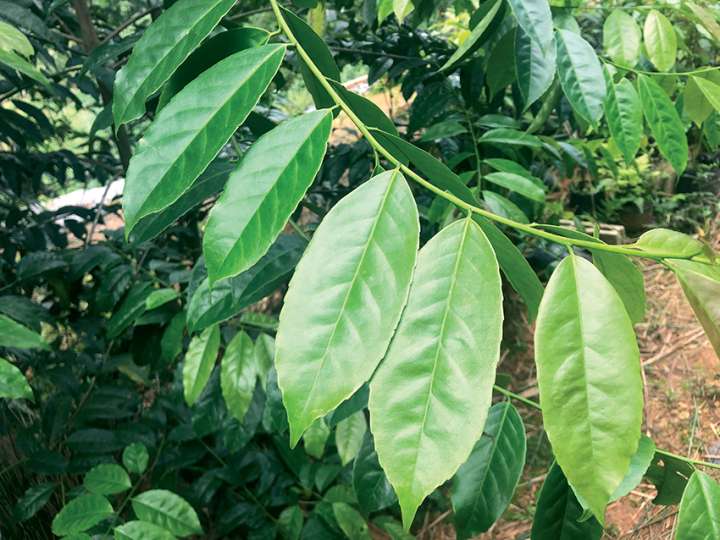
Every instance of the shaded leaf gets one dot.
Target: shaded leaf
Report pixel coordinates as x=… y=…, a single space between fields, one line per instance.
x=490 y=10
x=371 y=486
x=13 y=384
x=238 y=375
x=534 y=68
x=349 y=436
x=199 y=361
x=17 y=336
x=32 y=501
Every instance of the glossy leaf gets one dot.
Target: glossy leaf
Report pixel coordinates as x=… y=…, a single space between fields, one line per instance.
x=430 y=396
x=17 y=336
x=669 y=243
x=349 y=436
x=535 y=19
x=710 y=90
x=467 y=46
x=135 y=458
x=238 y=375
x=627 y=280
x=581 y=75
x=534 y=67
x=141 y=530
x=695 y=105
x=107 y=479
x=484 y=485
x=624 y=115
x=132 y=307
x=351 y=522
x=80 y=514
x=160 y=297
x=190 y=131
x=19 y=64
x=167 y=510
x=670 y=476
x=369 y=114
x=588 y=362
x=262 y=193
x=503 y=206
x=199 y=362
x=402 y=8
x=558 y=512
x=161 y=50
x=660 y=40
x=12 y=39
x=338 y=319
x=519 y=184
x=371 y=486
x=699 y=515
x=664 y=121
x=13 y=384
x=621 y=38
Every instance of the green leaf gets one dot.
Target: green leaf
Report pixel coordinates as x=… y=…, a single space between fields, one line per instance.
x=167 y=510
x=699 y=516
x=442 y=130
x=695 y=105
x=163 y=47
x=535 y=19
x=226 y=298
x=484 y=485
x=132 y=307
x=315 y=438
x=503 y=206
x=490 y=10
x=664 y=121
x=670 y=476
x=190 y=131
x=13 y=384
x=32 y=501
x=372 y=488
x=669 y=243
x=216 y=48
x=349 y=436
x=135 y=458
x=141 y=530
x=199 y=362
x=264 y=357
x=660 y=40
x=17 y=336
x=627 y=280
x=369 y=114
x=160 y=297
x=710 y=90
x=12 y=39
x=581 y=75
x=290 y=523
x=534 y=68
x=510 y=137
x=19 y=64
x=107 y=479
x=624 y=116
x=706 y=18
x=430 y=397
x=321 y=56
x=588 y=362
x=502 y=58
x=171 y=343
x=639 y=464
x=351 y=521
x=621 y=38
x=701 y=285
x=558 y=512
x=519 y=184
x=238 y=375
x=384 y=10
x=263 y=192
x=80 y=514
x=338 y=319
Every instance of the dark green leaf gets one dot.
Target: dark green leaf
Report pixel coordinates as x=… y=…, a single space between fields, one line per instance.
x=699 y=516
x=107 y=479
x=670 y=476
x=624 y=115
x=34 y=499
x=132 y=307
x=372 y=488
x=534 y=68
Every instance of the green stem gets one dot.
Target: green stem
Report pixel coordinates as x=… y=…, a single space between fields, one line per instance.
x=687 y=459
x=366 y=132
x=518 y=397
x=662 y=73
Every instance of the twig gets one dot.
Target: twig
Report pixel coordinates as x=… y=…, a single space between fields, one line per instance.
x=88 y=238
x=123 y=26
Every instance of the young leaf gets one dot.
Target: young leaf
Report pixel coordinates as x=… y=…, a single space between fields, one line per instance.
x=190 y=131
x=581 y=75
x=160 y=297
x=588 y=362
x=349 y=436
x=167 y=510
x=315 y=438
x=710 y=90
x=484 y=485
x=159 y=52
x=621 y=38
x=660 y=40
x=107 y=479
x=430 y=396
x=670 y=243
x=338 y=319
x=263 y=192
x=699 y=516
x=80 y=514
x=664 y=121
x=558 y=512
x=141 y=530
x=135 y=458
x=534 y=68
x=491 y=9
x=13 y=384
x=503 y=206
x=535 y=19
x=519 y=184
x=199 y=362
x=12 y=39
x=238 y=375
x=624 y=116
x=17 y=336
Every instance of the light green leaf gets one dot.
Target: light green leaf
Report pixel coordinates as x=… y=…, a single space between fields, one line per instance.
x=190 y=131
x=710 y=90
x=32 y=501
x=384 y=10
x=707 y=19
x=695 y=105
x=519 y=184
x=160 y=297
x=19 y=64
x=581 y=75
x=669 y=243
x=402 y=8
x=588 y=362
x=132 y=307
x=199 y=362
x=264 y=356
x=535 y=19
x=141 y=530
x=80 y=514
x=163 y=47
x=351 y=522
x=238 y=375
x=627 y=280
x=485 y=484
x=12 y=39
x=369 y=114
x=135 y=458
x=13 y=384
x=621 y=38
x=107 y=479
x=510 y=137
x=167 y=510
x=490 y=9
x=349 y=436
x=503 y=206
x=17 y=336
x=534 y=68
x=505 y=165
x=639 y=464
x=660 y=40
x=444 y=129
x=699 y=516
x=430 y=397
x=315 y=437
x=338 y=319
x=171 y=343
x=664 y=122
x=624 y=116
x=263 y=192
